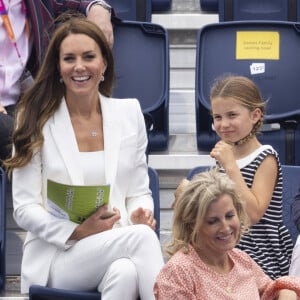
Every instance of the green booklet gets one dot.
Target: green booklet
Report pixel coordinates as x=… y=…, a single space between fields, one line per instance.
x=75 y=202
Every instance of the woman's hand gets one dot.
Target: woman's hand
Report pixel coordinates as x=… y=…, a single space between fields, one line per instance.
x=98 y=222
x=101 y=17
x=143 y=216
x=2 y=109
x=287 y=295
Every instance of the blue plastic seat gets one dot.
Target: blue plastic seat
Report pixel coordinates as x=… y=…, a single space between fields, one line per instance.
x=238 y=10
x=218 y=53
x=291 y=184
x=141 y=53
x=132 y=10
x=161 y=5
x=2 y=228
x=37 y=292
x=290 y=187
x=154 y=187
x=209 y=5
x=197 y=170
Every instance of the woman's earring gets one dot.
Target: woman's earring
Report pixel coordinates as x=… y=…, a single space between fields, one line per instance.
x=102 y=78
x=61 y=80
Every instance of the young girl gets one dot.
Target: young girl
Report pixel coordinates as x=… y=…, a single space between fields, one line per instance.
x=237 y=110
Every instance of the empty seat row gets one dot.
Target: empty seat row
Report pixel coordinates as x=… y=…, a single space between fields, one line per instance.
x=237 y=10
x=265 y=51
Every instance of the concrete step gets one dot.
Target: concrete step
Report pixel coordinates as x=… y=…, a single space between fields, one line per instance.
x=187 y=5
x=182 y=66
x=184 y=20
x=12 y=289
x=182 y=118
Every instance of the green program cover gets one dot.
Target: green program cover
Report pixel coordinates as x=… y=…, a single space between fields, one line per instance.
x=75 y=202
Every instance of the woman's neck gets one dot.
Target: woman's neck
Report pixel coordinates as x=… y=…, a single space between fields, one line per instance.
x=220 y=263
x=83 y=107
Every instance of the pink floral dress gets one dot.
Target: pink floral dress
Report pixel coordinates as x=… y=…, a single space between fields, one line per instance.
x=187 y=277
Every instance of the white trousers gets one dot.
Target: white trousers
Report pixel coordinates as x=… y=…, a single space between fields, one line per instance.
x=122 y=263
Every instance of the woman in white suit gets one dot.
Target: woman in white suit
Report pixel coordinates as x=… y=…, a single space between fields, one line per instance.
x=70 y=131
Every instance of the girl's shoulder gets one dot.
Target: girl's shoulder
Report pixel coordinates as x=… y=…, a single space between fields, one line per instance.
x=257 y=156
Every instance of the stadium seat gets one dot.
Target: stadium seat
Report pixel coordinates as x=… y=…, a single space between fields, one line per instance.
x=2 y=228
x=268 y=53
x=132 y=10
x=141 y=53
x=197 y=170
x=154 y=187
x=161 y=5
x=37 y=292
x=209 y=5
x=238 y=10
x=291 y=184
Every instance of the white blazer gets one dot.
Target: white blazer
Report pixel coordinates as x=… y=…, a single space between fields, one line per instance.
x=125 y=142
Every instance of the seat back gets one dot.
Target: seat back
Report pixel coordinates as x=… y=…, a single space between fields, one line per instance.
x=37 y=292
x=154 y=187
x=291 y=185
x=197 y=170
x=238 y=10
x=141 y=54
x=209 y=5
x=133 y=10
x=161 y=5
x=2 y=228
x=234 y=47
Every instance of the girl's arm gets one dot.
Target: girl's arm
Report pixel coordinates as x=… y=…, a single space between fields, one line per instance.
x=257 y=198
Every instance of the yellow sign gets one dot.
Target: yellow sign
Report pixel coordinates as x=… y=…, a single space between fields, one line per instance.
x=257 y=45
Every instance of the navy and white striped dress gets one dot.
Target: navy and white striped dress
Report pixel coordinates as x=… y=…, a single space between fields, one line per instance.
x=268 y=242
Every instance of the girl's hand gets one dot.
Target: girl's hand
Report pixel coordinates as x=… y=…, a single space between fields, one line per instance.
x=223 y=153
x=143 y=216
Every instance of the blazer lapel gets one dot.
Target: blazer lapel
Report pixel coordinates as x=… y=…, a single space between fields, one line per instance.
x=65 y=139
x=112 y=136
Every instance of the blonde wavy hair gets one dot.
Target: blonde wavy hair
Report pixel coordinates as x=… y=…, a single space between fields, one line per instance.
x=192 y=205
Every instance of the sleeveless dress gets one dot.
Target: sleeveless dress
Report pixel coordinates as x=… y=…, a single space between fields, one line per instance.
x=268 y=242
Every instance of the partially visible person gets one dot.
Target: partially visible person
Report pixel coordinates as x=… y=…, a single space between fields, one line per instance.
x=25 y=29
x=71 y=131
x=295 y=262
x=209 y=219
x=237 y=109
